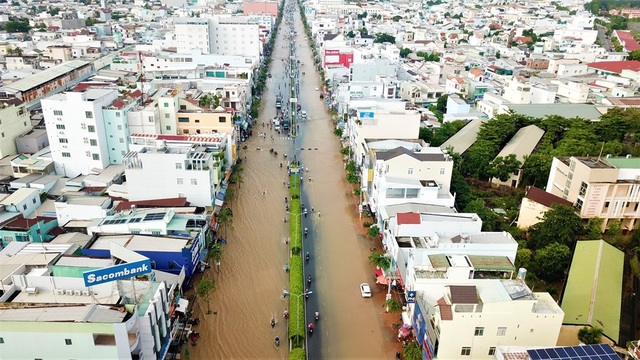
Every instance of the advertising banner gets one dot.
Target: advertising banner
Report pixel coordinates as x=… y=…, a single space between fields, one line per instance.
x=113 y=273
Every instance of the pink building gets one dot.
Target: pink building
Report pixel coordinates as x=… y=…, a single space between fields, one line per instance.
x=260 y=7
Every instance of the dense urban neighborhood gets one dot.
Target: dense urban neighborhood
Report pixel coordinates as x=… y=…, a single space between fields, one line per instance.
x=320 y=179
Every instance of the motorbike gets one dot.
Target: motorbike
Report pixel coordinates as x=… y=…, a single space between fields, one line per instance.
x=194 y=321
x=307 y=257
x=317 y=316
x=310 y=328
x=277 y=341
x=309 y=279
x=305 y=232
x=273 y=323
x=285 y=314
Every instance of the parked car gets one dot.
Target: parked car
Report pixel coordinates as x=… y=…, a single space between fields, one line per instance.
x=317 y=88
x=365 y=290
x=303 y=114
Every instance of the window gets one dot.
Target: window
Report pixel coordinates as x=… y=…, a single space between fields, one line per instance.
x=479 y=331
x=412 y=193
x=466 y=351
x=95 y=156
x=57 y=112
x=93 y=142
x=502 y=331
x=121 y=140
x=119 y=127
x=67 y=341
x=117 y=113
x=66 y=154
x=60 y=126
x=442 y=171
x=185 y=131
x=63 y=141
x=1 y=340
x=606 y=204
x=583 y=188
x=168 y=128
x=91 y=128
x=197 y=121
x=222 y=119
x=88 y=114
x=166 y=105
x=178 y=166
x=33 y=200
x=395 y=193
x=194 y=181
x=179 y=181
x=410 y=171
x=492 y=350
x=166 y=116
x=578 y=204
x=183 y=119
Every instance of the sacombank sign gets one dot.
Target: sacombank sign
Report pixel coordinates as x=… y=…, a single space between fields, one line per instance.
x=113 y=273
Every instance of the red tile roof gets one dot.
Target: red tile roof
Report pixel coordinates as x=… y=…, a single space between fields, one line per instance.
x=627 y=40
x=22 y=223
x=168 y=202
x=616 y=67
x=408 y=218
x=463 y=294
x=445 y=309
x=544 y=198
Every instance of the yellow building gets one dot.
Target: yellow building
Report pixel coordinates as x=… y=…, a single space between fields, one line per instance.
x=606 y=187
x=193 y=119
x=535 y=204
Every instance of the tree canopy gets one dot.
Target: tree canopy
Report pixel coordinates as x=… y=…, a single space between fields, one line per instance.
x=552 y=261
x=560 y=224
x=383 y=38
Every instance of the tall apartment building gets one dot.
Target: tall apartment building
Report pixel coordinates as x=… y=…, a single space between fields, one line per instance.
x=193 y=33
x=14 y=121
x=608 y=187
x=236 y=35
x=117 y=127
x=78 y=137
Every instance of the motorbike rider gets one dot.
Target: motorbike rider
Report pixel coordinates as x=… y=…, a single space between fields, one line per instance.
x=317 y=315
x=309 y=279
x=310 y=326
x=307 y=256
x=277 y=341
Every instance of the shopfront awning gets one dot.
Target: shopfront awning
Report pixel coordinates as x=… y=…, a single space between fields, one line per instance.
x=182 y=306
x=379 y=272
x=381 y=280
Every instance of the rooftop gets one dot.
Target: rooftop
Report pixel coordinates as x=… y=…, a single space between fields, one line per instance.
x=544 y=198
x=393 y=153
x=624 y=163
x=593 y=294
x=86 y=313
x=46 y=75
x=585 y=111
x=523 y=142
x=141 y=243
x=463 y=139
x=616 y=66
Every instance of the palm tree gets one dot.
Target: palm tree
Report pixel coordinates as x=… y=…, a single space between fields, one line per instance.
x=412 y=351
x=236 y=175
x=204 y=289
x=230 y=195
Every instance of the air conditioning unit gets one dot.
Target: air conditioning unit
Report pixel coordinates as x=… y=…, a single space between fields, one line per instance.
x=86 y=292
x=31 y=290
x=59 y=292
x=77 y=292
x=68 y=292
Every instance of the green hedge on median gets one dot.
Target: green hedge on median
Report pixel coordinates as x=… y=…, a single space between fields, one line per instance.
x=297 y=354
x=296 y=303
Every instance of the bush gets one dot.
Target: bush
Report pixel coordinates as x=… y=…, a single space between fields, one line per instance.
x=373 y=231
x=357 y=191
x=367 y=224
x=344 y=150
x=337 y=132
x=589 y=335
x=352 y=178
x=297 y=354
x=296 y=311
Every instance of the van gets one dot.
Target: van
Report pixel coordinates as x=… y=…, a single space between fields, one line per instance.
x=303 y=114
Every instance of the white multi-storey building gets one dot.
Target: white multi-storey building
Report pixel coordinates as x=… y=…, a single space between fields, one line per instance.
x=14 y=121
x=190 y=172
x=193 y=33
x=238 y=35
x=77 y=134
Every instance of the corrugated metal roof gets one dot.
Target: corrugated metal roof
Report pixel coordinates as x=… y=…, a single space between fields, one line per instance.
x=463 y=139
x=593 y=294
x=47 y=75
x=523 y=142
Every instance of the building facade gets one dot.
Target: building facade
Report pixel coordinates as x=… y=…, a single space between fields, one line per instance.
x=14 y=121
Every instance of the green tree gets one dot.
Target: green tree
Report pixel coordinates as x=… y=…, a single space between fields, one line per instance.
x=373 y=231
x=552 y=261
x=54 y=11
x=362 y=15
x=215 y=253
x=17 y=26
x=634 y=55
x=590 y=335
x=204 y=289
x=363 y=31
x=392 y=306
x=384 y=38
x=560 y=224
x=427 y=56
x=461 y=189
x=404 y=52
x=634 y=264
x=523 y=258
x=498 y=55
x=413 y=351
x=351 y=34
x=489 y=218
x=224 y=219
x=536 y=167
x=380 y=260
x=441 y=103
x=503 y=167
x=594 y=229
x=397 y=18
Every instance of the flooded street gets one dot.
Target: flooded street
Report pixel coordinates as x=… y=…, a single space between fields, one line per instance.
x=252 y=278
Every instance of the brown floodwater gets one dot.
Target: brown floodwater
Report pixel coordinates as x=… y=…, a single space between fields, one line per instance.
x=252 y=278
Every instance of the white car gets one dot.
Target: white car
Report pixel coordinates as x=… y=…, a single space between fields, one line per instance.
x=317 y=88
x=365 y=290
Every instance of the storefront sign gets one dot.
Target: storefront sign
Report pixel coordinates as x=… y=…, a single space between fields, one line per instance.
x=411 y=297
x=113 y=273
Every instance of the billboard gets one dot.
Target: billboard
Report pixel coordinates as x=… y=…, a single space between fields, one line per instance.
x=113 y=273
x=421 y=325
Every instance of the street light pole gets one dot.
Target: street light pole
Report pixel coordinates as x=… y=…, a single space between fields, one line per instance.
x=298 y=303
